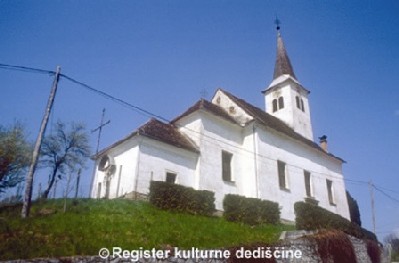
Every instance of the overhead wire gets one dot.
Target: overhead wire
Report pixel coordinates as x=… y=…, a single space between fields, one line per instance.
x=385 y=194
x=147 y=113
x=118 y=100
x=26 y=69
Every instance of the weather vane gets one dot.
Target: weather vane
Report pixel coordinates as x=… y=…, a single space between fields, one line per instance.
x=277 y=23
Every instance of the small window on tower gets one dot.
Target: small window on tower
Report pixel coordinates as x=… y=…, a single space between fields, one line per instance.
x=274 y=105
x=298 y=104
x=302 y=106
x=280 y=102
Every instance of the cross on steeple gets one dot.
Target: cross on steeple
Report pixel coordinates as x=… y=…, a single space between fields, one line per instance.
x=277 y=23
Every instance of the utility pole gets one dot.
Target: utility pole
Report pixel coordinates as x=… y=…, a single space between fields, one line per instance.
x=35 y=155
x=77 y=183
x=371 y=187
x=100 y=128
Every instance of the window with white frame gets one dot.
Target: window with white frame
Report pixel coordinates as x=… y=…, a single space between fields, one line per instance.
x=308 y=184
x=278 y=104
x=226 y=166
x=282 y=175
x=170 y=177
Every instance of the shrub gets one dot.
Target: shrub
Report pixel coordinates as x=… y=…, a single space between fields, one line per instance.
x=334 y=246
x=311 y=217
x=353 y=209
x=251 y=211
x=373 y=250
x=180 y=198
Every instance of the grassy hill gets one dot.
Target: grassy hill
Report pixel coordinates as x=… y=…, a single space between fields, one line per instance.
x=89 y=225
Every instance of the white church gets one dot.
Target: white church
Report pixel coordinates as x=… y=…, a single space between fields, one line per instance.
x=227 y=145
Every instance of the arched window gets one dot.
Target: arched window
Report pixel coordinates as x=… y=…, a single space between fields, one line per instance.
x=298 y=103
x=302 y=106
x=280 y=103
x=274 y=105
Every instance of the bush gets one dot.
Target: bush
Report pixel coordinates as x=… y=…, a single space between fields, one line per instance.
x=251 y=211
x=374 y=252
x=353 y=209
x=334 y=246
x=311 y=217
x=180 y=198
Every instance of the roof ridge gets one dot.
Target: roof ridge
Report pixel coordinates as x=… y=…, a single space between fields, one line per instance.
x=277 y=124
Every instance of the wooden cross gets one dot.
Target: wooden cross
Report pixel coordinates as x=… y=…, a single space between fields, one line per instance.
x=99 y=129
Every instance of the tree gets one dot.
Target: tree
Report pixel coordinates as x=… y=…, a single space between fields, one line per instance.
x=353 y=209
x=15 y=156
x=64 y=152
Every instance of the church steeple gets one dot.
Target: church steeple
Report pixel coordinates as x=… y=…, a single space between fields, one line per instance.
x=283 y=63
x=285 y=97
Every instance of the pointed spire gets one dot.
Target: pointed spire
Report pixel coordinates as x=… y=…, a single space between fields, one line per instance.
x=283 y=64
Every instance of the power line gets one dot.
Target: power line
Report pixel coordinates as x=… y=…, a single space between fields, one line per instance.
x=387 y=195
x=147 y=113
x=27 y=69
x=118 y=100
x=389 y=190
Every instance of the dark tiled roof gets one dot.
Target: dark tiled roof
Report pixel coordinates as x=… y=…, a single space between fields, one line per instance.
x=166 y=133
x=159 y=131
x=283 y=63
x=273 y=122
x=208 y=106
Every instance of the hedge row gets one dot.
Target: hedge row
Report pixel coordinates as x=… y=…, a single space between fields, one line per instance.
x=251 y=211
x=180 y=198
x=312 y=217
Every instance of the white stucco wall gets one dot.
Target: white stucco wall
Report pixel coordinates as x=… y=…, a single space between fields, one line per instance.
x=140 y=160
x=122 y=181
x=157 y=158
x=298 y=157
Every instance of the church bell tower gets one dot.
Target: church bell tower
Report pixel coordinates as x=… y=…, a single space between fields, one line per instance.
x=285 y=97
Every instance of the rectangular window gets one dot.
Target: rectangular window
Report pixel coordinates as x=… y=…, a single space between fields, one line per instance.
x=330 y=191
x=171 y=177
x=308 y=186
x=282 y=180
x=226 y=166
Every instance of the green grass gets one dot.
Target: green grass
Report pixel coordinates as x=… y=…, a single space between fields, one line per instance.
x=89 y=225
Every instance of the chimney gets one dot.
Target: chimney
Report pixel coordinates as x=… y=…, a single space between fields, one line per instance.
x=323 y=143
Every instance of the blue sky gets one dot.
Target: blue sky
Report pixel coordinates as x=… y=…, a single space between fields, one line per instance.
x=160 y=55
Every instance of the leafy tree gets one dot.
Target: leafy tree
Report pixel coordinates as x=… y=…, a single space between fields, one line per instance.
x=64 y=151
x=15 y=156
x=353 y=209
